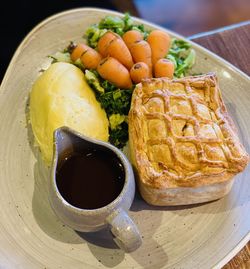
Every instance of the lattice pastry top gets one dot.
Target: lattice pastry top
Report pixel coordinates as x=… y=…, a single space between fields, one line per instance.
x=181 y=134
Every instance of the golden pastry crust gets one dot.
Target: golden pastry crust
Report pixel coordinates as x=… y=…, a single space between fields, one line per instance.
x=181 y=135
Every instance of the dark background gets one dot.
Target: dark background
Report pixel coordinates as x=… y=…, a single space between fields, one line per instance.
x=186 y=17
x=17 y=20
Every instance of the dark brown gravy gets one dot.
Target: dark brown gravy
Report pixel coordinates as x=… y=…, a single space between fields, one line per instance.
x=90 y=179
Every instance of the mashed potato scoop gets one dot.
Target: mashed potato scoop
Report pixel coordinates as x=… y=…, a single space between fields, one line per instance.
x=62 y=97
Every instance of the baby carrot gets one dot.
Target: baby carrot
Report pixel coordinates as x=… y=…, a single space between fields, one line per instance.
x=111 y=44
x=91 y=58
x=118 y=49
x=132 y=36
x=104 y=42
x=113 y=71
x=141 y=52
x=164 y=68
x=159 y=42
x=77 y=51
x=139 y=71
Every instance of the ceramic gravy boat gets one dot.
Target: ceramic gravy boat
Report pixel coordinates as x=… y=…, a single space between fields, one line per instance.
x=113 y=215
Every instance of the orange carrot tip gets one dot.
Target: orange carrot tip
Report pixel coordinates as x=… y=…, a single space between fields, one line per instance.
x=104 y=42
x=132 y=36
x=91 y=58
x=77 y=51
x=139 y=71
x=164 y=68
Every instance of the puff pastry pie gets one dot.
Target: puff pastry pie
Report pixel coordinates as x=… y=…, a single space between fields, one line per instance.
x=183 y=142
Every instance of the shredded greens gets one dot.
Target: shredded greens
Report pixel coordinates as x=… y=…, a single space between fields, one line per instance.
x=60 y=57
x=115 y=101
x=119 y=136
x=115 y=120
x=182 y=55
x=93 y=81
x=115 y=24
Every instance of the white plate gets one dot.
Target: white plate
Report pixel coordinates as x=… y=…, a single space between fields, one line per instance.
x=31 y=236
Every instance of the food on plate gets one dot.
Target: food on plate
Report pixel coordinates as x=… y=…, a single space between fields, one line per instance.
x=115 y=47
x=132 y=36
x=89 y=57
x=112 y=70
x=159 y=42
x=183 y=143
x=139 y=71
x=108 y=38
x=77 y=51
x=183 y=57
x=62 y=97
x=118 y=25
x=116 y=102
x=104 y=42
x=164 y=68
x=141 y=52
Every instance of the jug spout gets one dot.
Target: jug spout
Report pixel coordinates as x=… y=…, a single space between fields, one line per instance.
x=63 y=140
x=67 y=142
x=63 y=144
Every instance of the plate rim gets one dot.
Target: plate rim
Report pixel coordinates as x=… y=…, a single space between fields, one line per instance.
x=211 y=54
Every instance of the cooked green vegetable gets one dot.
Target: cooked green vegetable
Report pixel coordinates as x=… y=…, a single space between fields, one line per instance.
x=93 y=81
x=112 y=99
x=93 y=34
x=115 y=24
x=119 y=136
x=61 y=57
x=128 y=22
x=183 y=57
x=64 y=57
x=116 y=102
x=115 y=120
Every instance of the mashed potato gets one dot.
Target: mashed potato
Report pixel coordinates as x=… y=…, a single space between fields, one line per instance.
x=62 y=97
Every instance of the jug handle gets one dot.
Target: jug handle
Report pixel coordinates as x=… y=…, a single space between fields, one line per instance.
x=125 y=232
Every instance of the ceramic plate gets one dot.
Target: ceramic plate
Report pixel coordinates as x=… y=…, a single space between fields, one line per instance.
x=31 y=236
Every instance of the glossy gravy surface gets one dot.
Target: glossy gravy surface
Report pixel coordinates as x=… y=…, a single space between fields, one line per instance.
x=90 y=179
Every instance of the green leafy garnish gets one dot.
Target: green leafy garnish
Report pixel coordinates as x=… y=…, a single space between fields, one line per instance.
x=115 y=24
x=118 y=25
x=128 y=22
x=64 y=56
x=182 y=55
x=93 y=81
x=115 y=120
x=116 y=102
x=119 y=136
x=93 y=34
x=60 y=57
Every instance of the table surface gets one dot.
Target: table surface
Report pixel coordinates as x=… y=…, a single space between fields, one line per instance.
x=232 y=44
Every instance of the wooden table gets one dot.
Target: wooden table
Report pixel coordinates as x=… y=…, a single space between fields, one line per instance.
x=232 y=44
